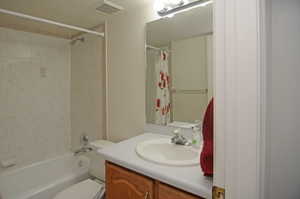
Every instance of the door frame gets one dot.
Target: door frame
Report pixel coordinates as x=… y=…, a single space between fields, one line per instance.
x=239 y=80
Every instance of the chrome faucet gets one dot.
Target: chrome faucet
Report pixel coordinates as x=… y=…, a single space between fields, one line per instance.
x=179 y=139
x=84 y=140
x=83 y=149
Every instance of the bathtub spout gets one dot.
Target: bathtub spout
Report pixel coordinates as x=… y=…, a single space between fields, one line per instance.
x=83 y=150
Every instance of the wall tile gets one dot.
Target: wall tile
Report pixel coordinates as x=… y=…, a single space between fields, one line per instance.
x=35 y=109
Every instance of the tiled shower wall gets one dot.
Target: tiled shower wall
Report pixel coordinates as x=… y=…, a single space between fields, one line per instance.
x=34 y=97
x=87 y=89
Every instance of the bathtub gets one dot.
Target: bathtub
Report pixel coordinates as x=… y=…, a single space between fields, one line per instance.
x=43 y=180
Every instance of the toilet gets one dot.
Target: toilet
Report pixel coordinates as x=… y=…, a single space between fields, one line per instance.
x=91 y=188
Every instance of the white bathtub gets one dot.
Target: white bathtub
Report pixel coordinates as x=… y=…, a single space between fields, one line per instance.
x=44 y=179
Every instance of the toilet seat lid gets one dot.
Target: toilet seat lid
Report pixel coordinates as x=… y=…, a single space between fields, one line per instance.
x=86 y=189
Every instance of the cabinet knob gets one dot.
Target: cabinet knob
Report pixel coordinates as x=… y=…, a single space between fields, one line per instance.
x=146 y=195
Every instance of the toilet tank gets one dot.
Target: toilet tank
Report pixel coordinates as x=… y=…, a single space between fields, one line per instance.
x=97 y=166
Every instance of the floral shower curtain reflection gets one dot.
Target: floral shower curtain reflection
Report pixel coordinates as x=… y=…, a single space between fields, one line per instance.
x=163 y=104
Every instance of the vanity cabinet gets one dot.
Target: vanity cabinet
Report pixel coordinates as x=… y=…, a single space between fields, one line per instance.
x=168 y=192
x=126 y=184
x=122 y=183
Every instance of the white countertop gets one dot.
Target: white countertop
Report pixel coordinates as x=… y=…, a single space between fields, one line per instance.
x=189 y=179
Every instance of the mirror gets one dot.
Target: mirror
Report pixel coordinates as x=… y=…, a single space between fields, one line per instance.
x=179 y=68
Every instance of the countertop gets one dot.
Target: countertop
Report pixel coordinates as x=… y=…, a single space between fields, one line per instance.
x=189 y=179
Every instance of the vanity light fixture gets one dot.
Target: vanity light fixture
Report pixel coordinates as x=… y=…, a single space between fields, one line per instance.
x=168 y=8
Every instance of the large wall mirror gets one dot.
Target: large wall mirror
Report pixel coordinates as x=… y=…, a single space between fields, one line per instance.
x=179 y=67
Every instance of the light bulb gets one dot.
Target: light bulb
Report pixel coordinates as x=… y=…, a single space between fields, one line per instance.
x=159 y=5
x=170 y=15
x=206 y=3
x=165 y=4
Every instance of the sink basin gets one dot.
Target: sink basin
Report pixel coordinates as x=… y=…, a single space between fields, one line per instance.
x=162 y=151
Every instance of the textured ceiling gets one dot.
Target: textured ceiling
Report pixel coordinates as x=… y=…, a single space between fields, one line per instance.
x=80 y=13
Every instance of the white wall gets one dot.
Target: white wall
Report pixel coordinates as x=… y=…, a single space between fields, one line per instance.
x=87 y=89
x=283 y=102
x=126 y=72
x=35 y=96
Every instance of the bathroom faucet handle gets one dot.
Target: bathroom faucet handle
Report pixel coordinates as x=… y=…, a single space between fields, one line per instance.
x=84 y=139
x=176 y=132
x=179 y=139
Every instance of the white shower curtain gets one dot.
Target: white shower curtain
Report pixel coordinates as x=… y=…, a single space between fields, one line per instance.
x=163 y=105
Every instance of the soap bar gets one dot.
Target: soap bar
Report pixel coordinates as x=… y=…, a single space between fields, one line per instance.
x=8 y=162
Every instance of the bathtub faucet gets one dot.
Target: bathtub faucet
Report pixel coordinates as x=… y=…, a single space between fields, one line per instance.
x=84 y=140
x=84 y=149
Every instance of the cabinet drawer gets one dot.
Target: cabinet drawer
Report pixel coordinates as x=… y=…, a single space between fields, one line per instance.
x=124 y=184
x=168 y=192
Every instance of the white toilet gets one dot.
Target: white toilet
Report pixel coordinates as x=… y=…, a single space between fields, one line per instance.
x=89 y=189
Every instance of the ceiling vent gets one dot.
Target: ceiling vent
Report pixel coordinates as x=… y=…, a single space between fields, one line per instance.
x=108 y=7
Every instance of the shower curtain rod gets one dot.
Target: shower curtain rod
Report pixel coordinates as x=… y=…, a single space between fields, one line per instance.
x=50 y=22
x=152 y=47
x=155 y=48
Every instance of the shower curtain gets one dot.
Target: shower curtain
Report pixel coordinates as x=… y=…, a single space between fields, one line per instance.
x=163 y=105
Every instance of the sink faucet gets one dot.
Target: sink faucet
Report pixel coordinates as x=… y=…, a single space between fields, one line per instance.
x=179 y=139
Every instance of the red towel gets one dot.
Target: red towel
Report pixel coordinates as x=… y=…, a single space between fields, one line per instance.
x=206 y=157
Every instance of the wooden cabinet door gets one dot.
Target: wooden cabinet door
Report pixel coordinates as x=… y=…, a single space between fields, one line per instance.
x=124 y=184
x=167 y=192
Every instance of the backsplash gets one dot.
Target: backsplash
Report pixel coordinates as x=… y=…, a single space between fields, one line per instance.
x=35 y=96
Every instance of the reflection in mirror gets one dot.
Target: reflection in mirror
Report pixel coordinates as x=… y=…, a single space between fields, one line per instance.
x=179 y=68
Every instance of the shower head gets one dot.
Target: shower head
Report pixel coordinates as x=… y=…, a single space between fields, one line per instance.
x=82 y=39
